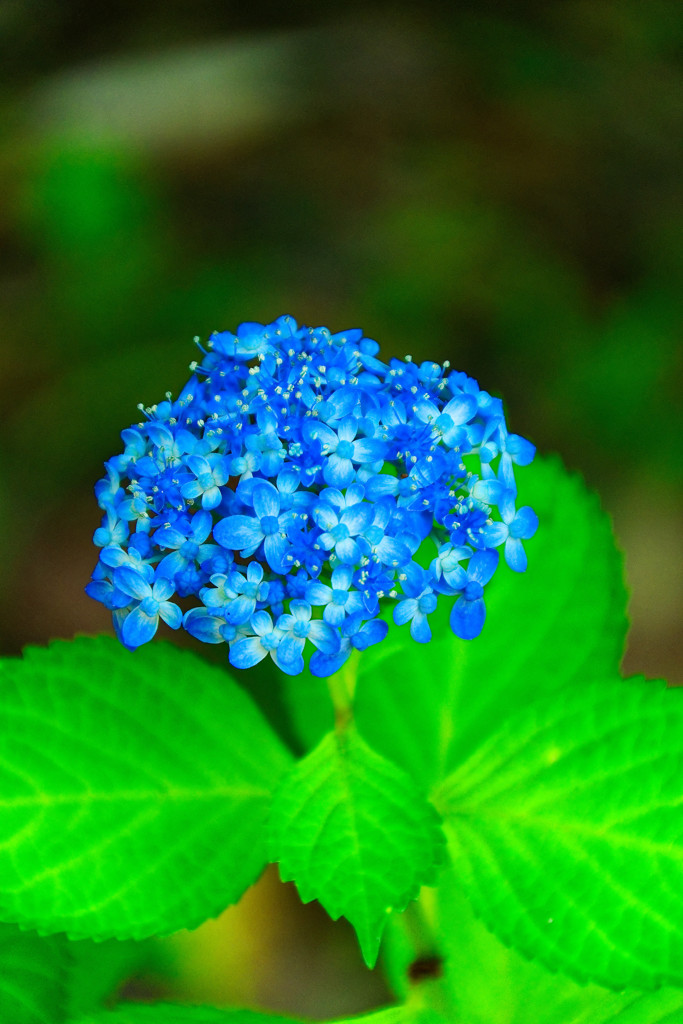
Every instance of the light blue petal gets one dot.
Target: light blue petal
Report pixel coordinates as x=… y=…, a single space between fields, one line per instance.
x=323 y=665
x=254 y=572
x=494 y=535
x=169 y=537
x=334 y=614
x=317 y=593
x=342 y=577
x=266 y=499
x=238 y=533
x=138 y=628
x=323 y=637
x=506 y=506
x=380 y=486
x=261 y=623
x=467 y=618
x=354 y=494
x=419 y=629
x=162 y=589
x=170 y=565
x=489 y=491
x=415 y=580
x=524 y=524
x=203 y=626
x=338 y=472
x=515 y=555
x=275 y=548
x=347 y=429
x=131 y=582
x=461 y=408
x=521 y=450
x=372 y=632
x=198 y=465
x=393 y=552
x=368 y=450
x=240 y=610
x=325 y=516
x=404 y=611
x=211 y=498
x=246 y=652
x=482 y=566
x=358 y=517
x=171 y=614
x=191 y=490
x=288 y=655
x=348 y=551
x=318 y=431
x=300 y=610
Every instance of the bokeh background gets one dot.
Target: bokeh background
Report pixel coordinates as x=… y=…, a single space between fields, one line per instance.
x=493 y=183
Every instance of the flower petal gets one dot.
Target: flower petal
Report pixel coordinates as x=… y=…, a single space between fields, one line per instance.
x=404 y=611
x=138 y=628
x=288 y=655
x=467 y=618
x=131 y=582
x=338 y=472
x=265 y=499
x=515 y=555
x=247 y=652
x=482 y=566
x=238 y=533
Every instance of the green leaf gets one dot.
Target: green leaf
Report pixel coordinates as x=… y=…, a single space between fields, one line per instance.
x=167 y=1013
x=99 y=968
x=174 y=1013
x=32 y=977
x=428 y=706
x=134 y=789
x=353 y=831
x=493 y=984
x=566 y=834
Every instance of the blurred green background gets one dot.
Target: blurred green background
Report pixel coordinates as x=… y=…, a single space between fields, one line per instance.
x=493 y=183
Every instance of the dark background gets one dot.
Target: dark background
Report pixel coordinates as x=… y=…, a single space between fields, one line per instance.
x=493 y=183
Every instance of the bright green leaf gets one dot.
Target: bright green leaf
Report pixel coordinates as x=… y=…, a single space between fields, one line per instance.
x=428 y=706
x=167 y=1013
x=173 y=1013
x=493 y=984
x=134 y=789
x=566 y=832
x=32 y=977
x=98 y=969
x=354 y=832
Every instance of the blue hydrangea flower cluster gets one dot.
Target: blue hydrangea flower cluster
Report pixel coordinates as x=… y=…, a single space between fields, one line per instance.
x=296 y=486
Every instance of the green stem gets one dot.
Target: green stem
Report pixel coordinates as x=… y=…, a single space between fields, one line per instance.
x=342 y=686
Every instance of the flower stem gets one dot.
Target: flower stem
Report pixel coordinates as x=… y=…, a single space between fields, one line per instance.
x=342 y=687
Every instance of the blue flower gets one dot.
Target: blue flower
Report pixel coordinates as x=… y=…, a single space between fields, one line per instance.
x=297 y=627
x=338 y=600
x=326 y=469
x=469 y=611
x=250 y=650
x=211 y=473
x=142 y=622
x=517 y=525
x=246 y=533
x=343 y=451
x=356 y=632
x=419 y=602
x=187 y=545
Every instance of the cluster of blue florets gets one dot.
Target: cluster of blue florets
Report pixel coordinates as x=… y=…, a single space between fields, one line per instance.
x=291 y=488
